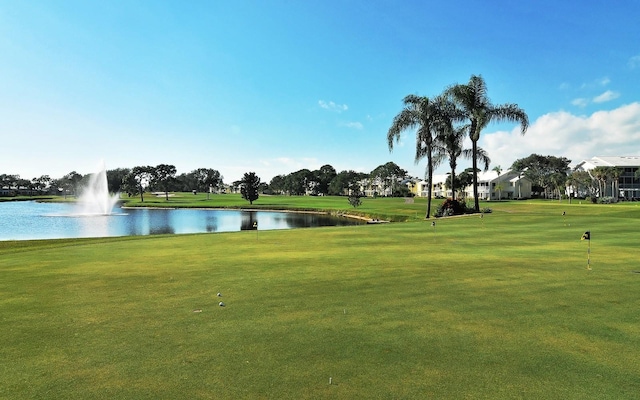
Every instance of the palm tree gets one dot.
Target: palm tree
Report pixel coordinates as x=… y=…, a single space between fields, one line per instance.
x=419 y=113
x=451 y=142
x=499 y=186
x=480 y=112
x=450 y=138
x=600 y=175
x=615 y=182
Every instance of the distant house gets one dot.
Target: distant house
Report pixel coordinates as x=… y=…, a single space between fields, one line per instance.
x=508 y=185
x=437 y=190
x=628 y=184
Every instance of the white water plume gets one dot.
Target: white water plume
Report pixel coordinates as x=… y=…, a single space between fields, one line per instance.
x=95 y=198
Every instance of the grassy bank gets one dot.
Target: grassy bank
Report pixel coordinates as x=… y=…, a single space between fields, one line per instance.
x=495 y=307
x=390 y=209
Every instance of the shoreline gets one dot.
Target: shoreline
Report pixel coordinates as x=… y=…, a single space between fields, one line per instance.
x=336 y=214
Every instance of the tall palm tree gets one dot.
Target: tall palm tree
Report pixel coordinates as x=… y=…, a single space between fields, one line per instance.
x=615 y=182
x=479 y=111
x=452 y=144
x=419 y=113
x=450 y=138
x=600 y=175
x=498 y=170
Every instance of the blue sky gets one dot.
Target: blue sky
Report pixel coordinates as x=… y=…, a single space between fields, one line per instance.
x=275 y=86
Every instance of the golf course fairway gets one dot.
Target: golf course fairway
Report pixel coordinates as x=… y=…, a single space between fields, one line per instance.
x=499 y=307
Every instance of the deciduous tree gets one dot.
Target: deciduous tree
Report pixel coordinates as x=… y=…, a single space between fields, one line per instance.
x=249 y=187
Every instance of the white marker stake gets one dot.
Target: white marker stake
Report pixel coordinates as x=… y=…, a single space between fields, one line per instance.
x=329 y=380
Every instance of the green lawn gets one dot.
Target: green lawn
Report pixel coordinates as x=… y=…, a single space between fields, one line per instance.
x=392 y=209
x=495 y=307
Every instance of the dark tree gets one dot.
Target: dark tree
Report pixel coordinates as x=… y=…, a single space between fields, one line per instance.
x=207 y=179
x=299 y=182
x=545 y=172
x=354 y=200
x=116 y=178
x=249 y=187
x=323 y=178
x=70 y=182
x=42 y=183
x=388 y=174
x=277 y=184
x=164 y=175
x=345 y=181
x=138 y=180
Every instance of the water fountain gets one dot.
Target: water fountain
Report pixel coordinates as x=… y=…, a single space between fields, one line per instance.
x=95 y=198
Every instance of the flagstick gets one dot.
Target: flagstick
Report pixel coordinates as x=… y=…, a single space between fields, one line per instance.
x=433 y=224
x=589 y=255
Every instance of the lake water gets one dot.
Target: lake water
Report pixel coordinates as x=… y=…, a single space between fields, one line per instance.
x=27 y=220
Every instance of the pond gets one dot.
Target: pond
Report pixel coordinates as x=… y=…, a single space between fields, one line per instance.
x=29 y=220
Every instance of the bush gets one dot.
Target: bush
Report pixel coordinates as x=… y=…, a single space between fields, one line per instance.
x=355 y=201
x=450 y=207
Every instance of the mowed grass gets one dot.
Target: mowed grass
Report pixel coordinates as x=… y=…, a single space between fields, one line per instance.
x=390 y=209
x=495 y=307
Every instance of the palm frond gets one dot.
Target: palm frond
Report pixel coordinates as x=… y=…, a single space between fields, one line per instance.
x=511 y=113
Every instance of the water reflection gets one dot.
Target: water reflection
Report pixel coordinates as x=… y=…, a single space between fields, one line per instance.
x=160 y=222
x=95 y=226
x=249 y=221
x=31 y=220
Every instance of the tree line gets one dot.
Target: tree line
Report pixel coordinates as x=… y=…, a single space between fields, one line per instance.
x=163 y=178
x=133 y=181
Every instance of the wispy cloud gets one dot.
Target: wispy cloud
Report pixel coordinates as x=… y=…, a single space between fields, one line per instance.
x=354 y=125
x=580 y=102
x=634 y=62
x=331 y=106
x=596 y=83
x=601 y=98
x=606 y=96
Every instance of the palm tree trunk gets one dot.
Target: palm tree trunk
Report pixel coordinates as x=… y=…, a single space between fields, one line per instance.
x=474 y=149
x=453 y=185
x=430 y=174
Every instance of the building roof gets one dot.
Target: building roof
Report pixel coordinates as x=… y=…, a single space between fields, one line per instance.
x=610 y=161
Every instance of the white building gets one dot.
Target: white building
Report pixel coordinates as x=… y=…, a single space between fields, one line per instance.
x=438 y=189
x=507 y=185
x=628 y=184
x=491 y=186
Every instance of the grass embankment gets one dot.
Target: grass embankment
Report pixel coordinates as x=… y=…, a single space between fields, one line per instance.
x=498 y=307
x=388 y=209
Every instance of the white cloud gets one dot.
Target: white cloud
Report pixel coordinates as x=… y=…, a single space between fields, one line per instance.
x=354 y=125
x=562 y=134
x=331 y=106
x=604 y=81
x=606 y=96
x=634 y=62
x=602 y=98
x=580 y=102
